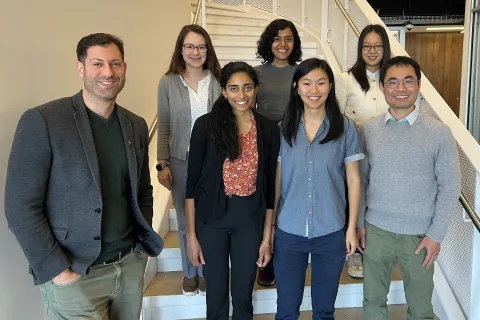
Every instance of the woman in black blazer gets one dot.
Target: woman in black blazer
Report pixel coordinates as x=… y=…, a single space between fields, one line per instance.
x=230 y=192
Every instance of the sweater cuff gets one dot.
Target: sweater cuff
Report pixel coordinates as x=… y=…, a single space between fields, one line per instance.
x=436 y=233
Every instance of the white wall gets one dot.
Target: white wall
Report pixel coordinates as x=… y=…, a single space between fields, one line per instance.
x=37 y=64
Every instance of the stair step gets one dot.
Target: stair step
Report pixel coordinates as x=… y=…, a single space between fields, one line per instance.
x=214 y=5
x=233 y=14
x=234 y=29
x=163 y=298
x=251 y=44
x=243 y=22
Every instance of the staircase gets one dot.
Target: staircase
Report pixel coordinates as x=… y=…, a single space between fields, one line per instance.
x=235 y=31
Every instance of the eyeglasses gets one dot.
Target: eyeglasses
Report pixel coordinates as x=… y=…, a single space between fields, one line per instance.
x=189 y=48
x=367 y=47
x=408 y=83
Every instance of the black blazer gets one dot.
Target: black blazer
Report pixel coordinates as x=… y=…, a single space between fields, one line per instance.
x=205 y=169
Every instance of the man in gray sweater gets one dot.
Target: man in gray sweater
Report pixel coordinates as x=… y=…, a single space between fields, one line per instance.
x=412 y=178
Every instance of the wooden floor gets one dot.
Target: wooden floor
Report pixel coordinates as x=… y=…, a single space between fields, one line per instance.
x=395 y=312
x=170 y=283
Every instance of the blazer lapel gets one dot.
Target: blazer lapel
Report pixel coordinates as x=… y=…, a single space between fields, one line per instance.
x=86 y=135
x=127 y=132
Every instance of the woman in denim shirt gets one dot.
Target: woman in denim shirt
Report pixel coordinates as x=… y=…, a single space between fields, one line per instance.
x=319 y=154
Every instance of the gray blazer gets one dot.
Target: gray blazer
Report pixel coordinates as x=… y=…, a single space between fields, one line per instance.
x=174 y=115
x=53 y=198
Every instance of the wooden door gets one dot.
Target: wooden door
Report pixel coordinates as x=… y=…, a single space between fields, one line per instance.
x=440 y=57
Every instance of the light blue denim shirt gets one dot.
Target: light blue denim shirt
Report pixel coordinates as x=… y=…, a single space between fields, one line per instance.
x=313 y=193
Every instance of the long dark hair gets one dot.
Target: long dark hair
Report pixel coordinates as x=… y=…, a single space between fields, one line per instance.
x=294 y=112
x=177 y=64
x=359 y=68
x=264 y=45
x=224 y=123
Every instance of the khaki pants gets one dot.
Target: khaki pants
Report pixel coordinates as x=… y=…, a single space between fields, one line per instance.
x=383 y=249
x=113 y=291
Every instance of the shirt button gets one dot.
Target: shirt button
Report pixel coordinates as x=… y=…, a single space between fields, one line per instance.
x=96 y=238
x=310 y=211
x=374 y=99
x=310 y=179
x=98 y=210
x=310 y=161
x=309 y=195
x=373 y=80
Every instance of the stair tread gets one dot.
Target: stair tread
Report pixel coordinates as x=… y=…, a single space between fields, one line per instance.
x=169 y=283
x=171 y=240
x=240 y=44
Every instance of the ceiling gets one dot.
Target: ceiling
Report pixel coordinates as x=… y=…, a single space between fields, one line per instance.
x=418 y=7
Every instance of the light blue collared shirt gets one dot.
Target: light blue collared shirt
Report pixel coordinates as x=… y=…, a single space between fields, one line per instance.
x=313 y=198
x=412 y=116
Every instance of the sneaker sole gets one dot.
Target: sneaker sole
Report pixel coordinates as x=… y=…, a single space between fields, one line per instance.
x=189 y=294
x=356 y=275
x=202 y=293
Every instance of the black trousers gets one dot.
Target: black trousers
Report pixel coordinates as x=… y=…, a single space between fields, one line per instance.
x=238 y=235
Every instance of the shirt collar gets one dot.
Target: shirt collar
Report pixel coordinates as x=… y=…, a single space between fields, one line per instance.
x=411 y=118
x=372 y=75
x=200 y=82
x=325 y=121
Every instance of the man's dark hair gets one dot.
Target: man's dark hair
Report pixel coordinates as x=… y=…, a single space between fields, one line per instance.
x=400 y=61
x=97 y=39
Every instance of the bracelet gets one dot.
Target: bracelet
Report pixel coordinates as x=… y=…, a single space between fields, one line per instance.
x=266 y=244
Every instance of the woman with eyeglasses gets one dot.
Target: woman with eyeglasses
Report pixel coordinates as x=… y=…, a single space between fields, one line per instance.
x=186 y=91
x=230 y=193
x=359 y=97
x=280 y=49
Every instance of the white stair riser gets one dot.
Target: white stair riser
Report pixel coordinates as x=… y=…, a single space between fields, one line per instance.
x=173 y=224
x=264 y=301
x=233 y=29
x=246 y=23
x=249 y=50
x=233 y=14
x=229 y=37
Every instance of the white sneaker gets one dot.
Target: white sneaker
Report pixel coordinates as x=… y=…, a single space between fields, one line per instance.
x=355 y=265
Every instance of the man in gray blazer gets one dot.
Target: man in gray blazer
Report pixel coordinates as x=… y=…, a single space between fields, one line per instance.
x=78 y=195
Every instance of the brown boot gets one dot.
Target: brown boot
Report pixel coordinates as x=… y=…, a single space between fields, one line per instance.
x=189 y=286
x=202 y=286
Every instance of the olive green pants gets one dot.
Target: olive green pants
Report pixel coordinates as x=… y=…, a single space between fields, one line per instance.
x=383 y=248
x=108 y=292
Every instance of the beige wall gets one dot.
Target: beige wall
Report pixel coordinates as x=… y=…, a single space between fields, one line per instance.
x=37 y=64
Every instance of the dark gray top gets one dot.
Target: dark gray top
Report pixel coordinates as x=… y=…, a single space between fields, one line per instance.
x=274 y=90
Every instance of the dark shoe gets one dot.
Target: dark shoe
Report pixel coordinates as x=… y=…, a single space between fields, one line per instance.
x=266 y=276
x=189 y=286
x=202 y=286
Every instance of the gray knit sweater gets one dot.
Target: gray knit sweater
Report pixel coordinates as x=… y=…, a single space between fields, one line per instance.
x=412 y=176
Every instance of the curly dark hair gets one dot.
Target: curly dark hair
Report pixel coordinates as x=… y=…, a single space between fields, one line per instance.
x=264 y=45
x=224 y=132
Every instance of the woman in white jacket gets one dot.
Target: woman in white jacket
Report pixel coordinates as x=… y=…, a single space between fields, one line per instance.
x=358 y=90
x=360 y=99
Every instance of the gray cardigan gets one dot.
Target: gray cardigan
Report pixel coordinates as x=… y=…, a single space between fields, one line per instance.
x=174 y=115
